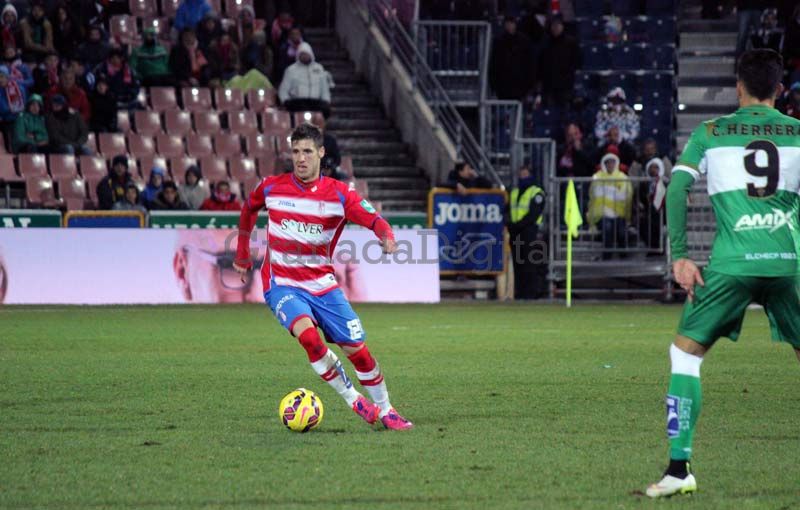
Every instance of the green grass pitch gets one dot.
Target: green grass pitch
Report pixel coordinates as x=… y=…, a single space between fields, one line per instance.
x=515 y=406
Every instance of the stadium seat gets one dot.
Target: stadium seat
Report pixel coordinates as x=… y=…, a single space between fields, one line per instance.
x=179 y=165
x=232 y=7
x=147 y=163
x=260 y=145
x=625 y=7
x=347 y=166
x=72 y=188
x=141 y=145
x=123 y=121
x=39 y=191
x=163 y=99
x=93 y=167
x=362 y=188
x=216 y=6
x=111 y=144
x=143 y=8
x=301 y=117
x=274 y=121
x=259 y=100
x=8 y=172
x=229 y=100
x=91 y=142
x=227 y=145
x=122 y=29
x=196 y=99
x=595 y=57
x=169 y=8
x=177 y=122
x=662 y=30
x=236 y=189
x=266 y=165
x=589 y=8
x=63 y=166
x=161 y=26
x=243 y=123
x=32 y=165
x=213 y=168
x=199 y=146
x=283 y=144
x=170 y=146
x=249 y=185
x=590 y=30
x=243 y=168
x=663 y=56
x=661 y=7
x=3 y=149
x=147 y=123
x=627 y=57
x=207 y=123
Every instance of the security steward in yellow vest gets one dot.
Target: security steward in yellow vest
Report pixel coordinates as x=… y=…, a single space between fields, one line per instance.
x=528 y=246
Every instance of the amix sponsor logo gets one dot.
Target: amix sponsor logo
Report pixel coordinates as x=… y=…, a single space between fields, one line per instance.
x=769 y=221
x=301 y=227
x=468 y=213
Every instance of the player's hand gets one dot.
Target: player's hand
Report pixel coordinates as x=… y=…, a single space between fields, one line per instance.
x=687 y=275
x=242 y=270
x=389 y=245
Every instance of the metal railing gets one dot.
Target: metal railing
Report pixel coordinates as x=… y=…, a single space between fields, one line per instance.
x=458 y=54
x=424 y=81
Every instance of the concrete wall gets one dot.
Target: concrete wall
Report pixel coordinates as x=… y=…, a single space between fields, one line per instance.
x=389 y=81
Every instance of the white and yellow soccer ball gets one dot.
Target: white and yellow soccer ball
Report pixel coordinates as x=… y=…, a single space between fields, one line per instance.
x=301 y=410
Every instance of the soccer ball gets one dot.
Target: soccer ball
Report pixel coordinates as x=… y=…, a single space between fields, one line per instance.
x=301 y=410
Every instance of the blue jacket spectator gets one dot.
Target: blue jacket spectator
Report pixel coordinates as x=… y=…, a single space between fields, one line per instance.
x=18 y=71
x=189 y=14
x=154 y=186
x=12 y=97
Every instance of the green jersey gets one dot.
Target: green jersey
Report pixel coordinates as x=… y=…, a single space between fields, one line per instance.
x=751 y=160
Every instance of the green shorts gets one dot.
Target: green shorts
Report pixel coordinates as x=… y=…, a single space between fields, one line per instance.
x=719 y=307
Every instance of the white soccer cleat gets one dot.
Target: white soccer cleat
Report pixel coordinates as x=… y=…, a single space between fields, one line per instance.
x=670 y=485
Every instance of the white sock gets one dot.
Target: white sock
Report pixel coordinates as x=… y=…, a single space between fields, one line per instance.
x=684 y=363
x=330 y=369
x=378 y=392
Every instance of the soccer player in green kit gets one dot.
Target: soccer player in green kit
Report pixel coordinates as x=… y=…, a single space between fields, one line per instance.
x=751 y=160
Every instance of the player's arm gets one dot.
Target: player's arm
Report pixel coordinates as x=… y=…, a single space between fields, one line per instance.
x=360 y=211
x=247 y=221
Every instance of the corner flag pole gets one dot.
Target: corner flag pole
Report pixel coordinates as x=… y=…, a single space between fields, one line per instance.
x=573 y=219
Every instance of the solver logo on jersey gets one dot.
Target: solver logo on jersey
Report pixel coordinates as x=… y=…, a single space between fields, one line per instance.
x=769 y=221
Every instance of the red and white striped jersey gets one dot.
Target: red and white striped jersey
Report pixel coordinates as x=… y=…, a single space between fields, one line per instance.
x=305 y=222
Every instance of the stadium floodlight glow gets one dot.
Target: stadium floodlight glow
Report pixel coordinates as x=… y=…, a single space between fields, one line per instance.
x=681 y=106
x=638 y=107
x=307 y=116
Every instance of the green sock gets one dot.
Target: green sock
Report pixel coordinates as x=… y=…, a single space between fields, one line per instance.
x=684 y=400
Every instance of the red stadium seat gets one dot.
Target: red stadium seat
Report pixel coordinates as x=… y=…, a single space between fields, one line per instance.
x=111 y=144
x=3 y=149
x=170 y=146
x=140 y=145
x=147 y=123
x=243 y=123
x=260 y=100
x=146 y=164
x=161 y=26
x=32 y=165
x=347 y=166
x=177 y=122
x=249 y=185
x=123 y=121
x=73 y=191
x=163 y=99
x=229 y=100
x=260 y=145
x=199 y=146
x=216 y=6
x=284 y=143
x=122 y=29
x=227 y=145
x=63 y=166
x=362 y=188
x=206 y=123
x=232 y=7
x=91 y=142
x=236 y=188
x=93 y=167
x=302 y=117
x=8 y=172
x=143 y=8
x=213 y=168
x=196 y=99
x=274 y=121
x=39 y=190
x=169 y=8
x=178 y=166
x=267 y=165
x=243 y=169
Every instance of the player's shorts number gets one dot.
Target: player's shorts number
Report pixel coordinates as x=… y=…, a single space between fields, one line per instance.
x=355 y=329
x=771 y=171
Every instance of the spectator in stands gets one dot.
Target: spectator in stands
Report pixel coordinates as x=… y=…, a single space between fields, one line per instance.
x=224 y=57
x=287 y=54
x=610 y=202
x=112 y=188
x=306 y=84
x=208 y=30
x=150 y=61
x=221 y=199
x=617 y=113
x=12 y=99
x=189 y=14
x=30 y=132
x=251 y=39
x=647 y=152
x=168 y=199
x=188 y=64
x=66 y=32
x=95 y=50
x=155 y=185
x=464 y=177
x=651 y=202
x=614 y=144
x=791 y=45
x=10 y=33
x=333 y=157
x=749 y=15
x=76 y=96
x=84 y=79
x=192 y=191
x=90 y=12
x=104 y=107
x=120 y=78
x=790 y=101
x=283 y=23
x=574 y=159
x=768 y=34
x=37 y=34
x=66 y=130
x=526 y=206
x=18 y=71
x=512 y=69
x=45 y=77
x=558 y=62
x=130 y=201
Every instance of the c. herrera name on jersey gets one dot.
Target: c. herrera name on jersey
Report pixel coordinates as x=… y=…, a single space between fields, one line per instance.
x=772 y=221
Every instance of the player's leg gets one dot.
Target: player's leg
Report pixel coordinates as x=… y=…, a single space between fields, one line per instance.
x=342 y=326
x=781 y=300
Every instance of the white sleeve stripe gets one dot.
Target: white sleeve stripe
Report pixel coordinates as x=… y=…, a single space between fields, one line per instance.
x=683 y=168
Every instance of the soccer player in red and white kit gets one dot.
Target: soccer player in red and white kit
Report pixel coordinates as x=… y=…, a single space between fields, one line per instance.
x=307 y=213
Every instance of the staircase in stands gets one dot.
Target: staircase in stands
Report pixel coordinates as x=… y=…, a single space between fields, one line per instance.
x=357 y=121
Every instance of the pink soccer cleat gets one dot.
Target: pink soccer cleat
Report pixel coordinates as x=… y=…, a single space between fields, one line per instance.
x=366 y=409
x=394 y=421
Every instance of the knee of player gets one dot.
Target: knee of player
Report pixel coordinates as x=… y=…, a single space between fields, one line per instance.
x=302 y=324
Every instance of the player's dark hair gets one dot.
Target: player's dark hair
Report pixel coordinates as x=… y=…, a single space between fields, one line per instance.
x=308 y=131
x=760 y=71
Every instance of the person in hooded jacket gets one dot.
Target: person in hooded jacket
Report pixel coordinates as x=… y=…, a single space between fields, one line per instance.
x=192 y=191
x=29 y=132
x=208 y=30
x=37 y=34
x=651 y=203
x=189 y=14
x=76 y=96
x=187 y=62
x=250 y=37
x=67 y=132
x=10 y=31
x=95 y=49
x=221 y=199
x=168 y=199
x=121 y=79
x=131 y=201
x=610 y=204
x=112 y=188
x=155 y=185
x=104 y=107
x=150 y=61
x=306 y=84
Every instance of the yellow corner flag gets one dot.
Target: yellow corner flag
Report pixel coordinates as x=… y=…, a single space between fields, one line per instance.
x=573 y=219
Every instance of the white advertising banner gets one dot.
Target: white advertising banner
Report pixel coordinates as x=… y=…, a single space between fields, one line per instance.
x=154 y=266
